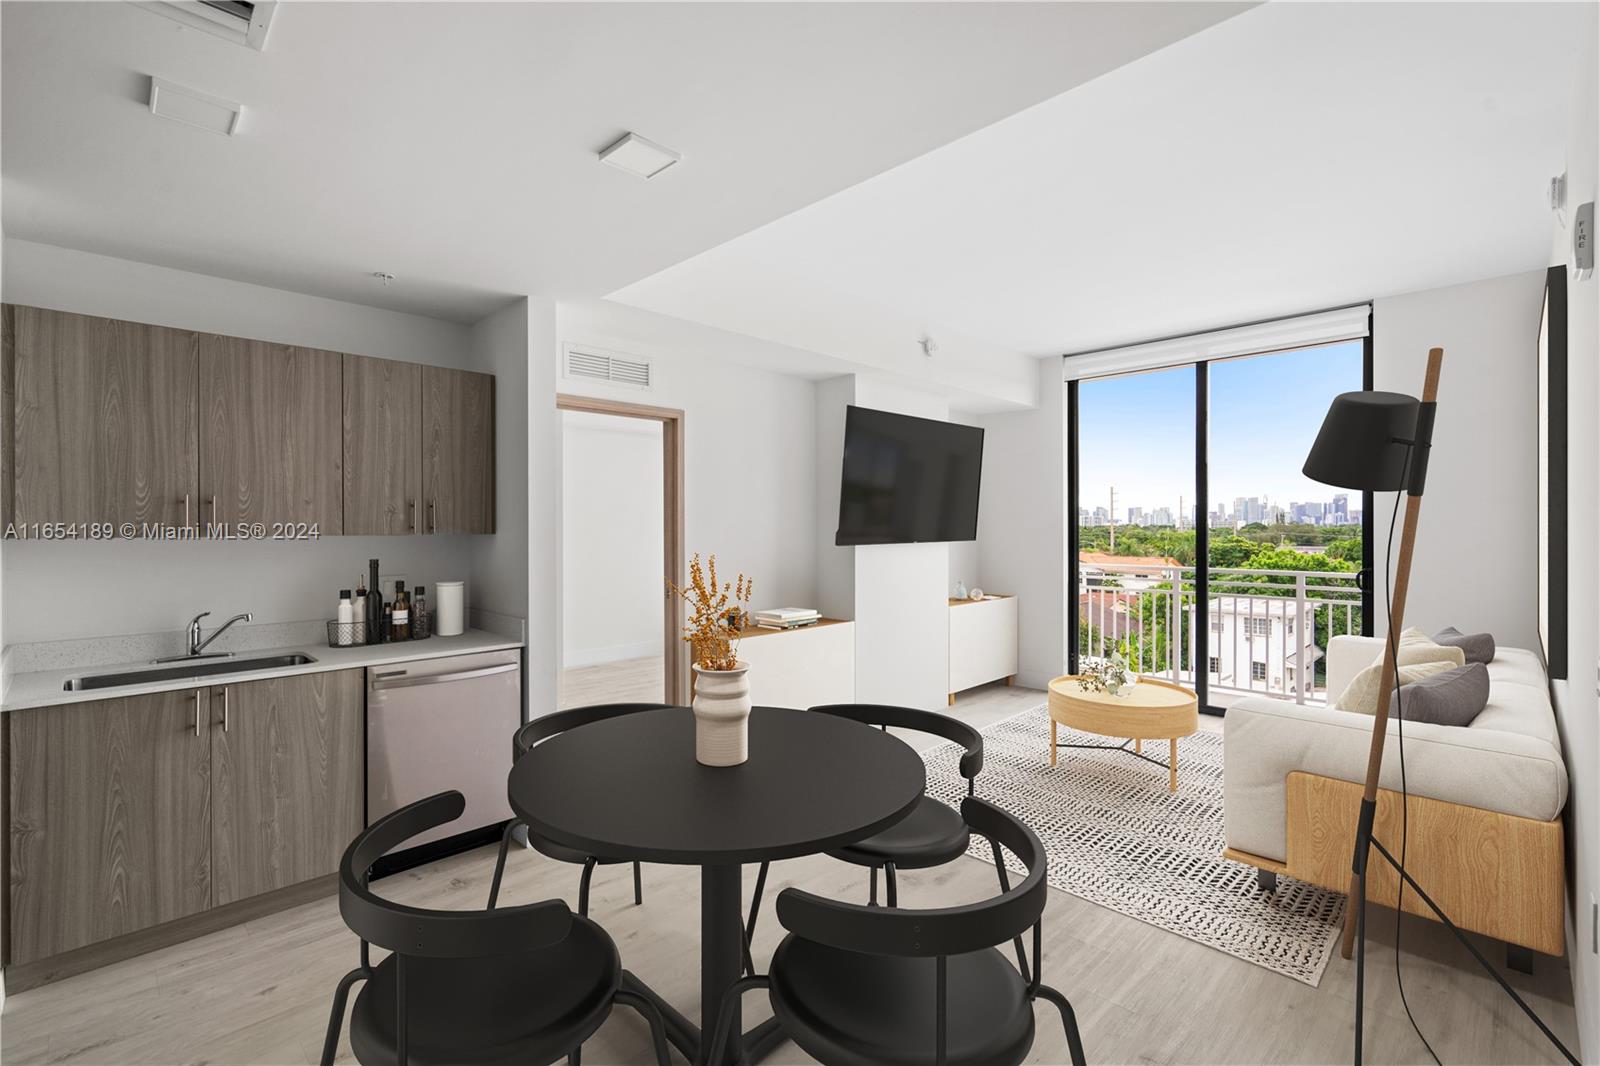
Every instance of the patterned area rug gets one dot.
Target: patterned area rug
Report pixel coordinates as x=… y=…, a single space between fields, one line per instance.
x=1115 y=836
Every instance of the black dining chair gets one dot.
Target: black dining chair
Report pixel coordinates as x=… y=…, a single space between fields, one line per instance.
x=857 y=985
x=525 y=738
x=932 y=834
x=524 y=984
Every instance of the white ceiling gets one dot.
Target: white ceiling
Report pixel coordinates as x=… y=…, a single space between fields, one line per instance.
x=1295 y=157
x=452 y=144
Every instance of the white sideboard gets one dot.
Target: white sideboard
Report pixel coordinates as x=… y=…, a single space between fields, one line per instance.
x=801 y=667
x=983 y=642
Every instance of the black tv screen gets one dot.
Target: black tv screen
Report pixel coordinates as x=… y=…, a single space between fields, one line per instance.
x=907 y=480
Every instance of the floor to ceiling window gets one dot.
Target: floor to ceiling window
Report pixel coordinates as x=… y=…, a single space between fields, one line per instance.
x=1200 y=552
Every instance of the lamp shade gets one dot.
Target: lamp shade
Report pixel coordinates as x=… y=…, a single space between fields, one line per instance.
x=1364 y=441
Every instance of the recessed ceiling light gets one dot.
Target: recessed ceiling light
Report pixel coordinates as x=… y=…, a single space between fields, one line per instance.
x=193 y=108
x=637 y=155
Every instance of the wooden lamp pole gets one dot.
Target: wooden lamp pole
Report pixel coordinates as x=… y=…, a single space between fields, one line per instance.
x=1380 y=723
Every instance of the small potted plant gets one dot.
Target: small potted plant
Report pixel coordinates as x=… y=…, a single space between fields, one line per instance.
x=718 y=613
x=1109 y=675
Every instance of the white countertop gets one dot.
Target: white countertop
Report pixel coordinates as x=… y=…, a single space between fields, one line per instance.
x=44 y=688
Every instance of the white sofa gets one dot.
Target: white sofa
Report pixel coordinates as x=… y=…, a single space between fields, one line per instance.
x=1500 y=786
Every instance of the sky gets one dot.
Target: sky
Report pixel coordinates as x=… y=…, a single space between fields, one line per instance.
x=1137 y=431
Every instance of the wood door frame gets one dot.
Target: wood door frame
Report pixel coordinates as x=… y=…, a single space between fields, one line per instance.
x=673 y=651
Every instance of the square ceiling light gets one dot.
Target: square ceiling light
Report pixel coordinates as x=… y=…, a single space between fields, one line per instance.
x=193 y=108
x=637 y=155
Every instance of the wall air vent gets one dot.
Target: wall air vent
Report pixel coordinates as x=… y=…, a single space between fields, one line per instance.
x=593 y=364
x=233 y=20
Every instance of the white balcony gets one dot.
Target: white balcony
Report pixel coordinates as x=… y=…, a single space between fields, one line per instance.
x=1269 y=629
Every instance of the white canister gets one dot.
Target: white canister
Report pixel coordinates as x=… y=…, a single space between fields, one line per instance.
x=449 y=608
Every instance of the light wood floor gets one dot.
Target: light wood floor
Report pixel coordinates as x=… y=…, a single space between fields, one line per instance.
x=259 y=993
x=625 y=681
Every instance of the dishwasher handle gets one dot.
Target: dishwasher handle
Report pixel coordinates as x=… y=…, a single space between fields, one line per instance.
x=399 y=680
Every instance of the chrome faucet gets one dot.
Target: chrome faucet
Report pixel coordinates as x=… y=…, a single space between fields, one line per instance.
x=197 y=647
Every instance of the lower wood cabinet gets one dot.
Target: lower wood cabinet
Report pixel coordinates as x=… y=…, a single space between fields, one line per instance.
x=286 y=781
x=129 y=812
x=110 y=819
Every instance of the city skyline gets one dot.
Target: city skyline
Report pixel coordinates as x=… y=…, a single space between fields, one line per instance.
x=1240 y=510
x=1136 y=431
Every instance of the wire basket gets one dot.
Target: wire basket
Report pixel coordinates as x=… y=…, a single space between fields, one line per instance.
x=354 y=634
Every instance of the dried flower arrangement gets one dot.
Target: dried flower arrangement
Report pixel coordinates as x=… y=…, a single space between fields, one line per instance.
x=717 y=614
x=1104 y=675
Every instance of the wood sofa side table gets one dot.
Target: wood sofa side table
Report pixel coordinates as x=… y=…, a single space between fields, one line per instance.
x=1153 y=710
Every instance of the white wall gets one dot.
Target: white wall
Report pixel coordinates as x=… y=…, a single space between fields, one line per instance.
x=1476 y=552
x=749 y=464
x=965 y=554
x=1576 y=703
x=836 y=565
x=611 y=538
x=1021 y=523
x=902 y=608
x=62 y=590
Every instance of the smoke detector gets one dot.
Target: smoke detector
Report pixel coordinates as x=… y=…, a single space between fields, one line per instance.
x=638 y=156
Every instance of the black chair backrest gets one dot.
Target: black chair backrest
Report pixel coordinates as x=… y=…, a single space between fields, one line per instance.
x=940 y=725
x=940 y=931
x=547 y=726
x=414 y=931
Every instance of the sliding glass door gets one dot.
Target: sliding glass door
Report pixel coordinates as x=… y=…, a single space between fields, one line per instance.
x=1200 y=553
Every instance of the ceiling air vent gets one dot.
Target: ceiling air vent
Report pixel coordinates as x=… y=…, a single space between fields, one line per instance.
x=233 y=20
x=590 y=364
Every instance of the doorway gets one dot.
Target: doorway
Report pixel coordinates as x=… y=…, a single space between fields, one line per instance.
x=622 y=539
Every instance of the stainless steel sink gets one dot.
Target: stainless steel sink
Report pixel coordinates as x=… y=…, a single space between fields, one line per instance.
x=182 y=672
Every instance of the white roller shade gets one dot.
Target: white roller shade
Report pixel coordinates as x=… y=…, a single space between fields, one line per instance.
x=1303 y=331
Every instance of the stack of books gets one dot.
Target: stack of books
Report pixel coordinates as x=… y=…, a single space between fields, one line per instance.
x=786 y=617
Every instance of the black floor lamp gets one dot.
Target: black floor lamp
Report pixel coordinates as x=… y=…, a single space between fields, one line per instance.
x=1379 y=441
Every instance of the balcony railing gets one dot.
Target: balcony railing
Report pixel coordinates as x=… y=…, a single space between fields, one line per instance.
x=1269 y=629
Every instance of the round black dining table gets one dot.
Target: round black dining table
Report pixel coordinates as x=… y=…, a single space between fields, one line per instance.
x=629 y=788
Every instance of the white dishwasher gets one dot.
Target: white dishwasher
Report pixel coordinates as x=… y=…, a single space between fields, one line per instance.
x=442 y=724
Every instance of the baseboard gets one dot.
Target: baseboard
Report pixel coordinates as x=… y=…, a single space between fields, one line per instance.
x=614 y=653
x=22 y=976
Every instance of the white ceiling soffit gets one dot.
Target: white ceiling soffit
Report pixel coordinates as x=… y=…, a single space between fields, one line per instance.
x=1299 y=156
x=453 y=145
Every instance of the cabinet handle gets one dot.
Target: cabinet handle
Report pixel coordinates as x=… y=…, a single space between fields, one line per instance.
x=224 y=709
x=196 y=695
x=433 y=518
x=213 y=510
x=412 y=506
x=186 y=510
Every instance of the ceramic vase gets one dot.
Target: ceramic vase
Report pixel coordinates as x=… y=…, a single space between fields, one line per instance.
x=722 y=716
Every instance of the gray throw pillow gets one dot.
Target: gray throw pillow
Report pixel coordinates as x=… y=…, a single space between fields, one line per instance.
x=1478 y=646
x=1454 y=697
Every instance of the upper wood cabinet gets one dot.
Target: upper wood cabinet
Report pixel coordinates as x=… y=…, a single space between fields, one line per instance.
x=270 y=436
x=109 y=819
x=105 y=420
x=382 y=446
x=118 y=422
x=457 y=451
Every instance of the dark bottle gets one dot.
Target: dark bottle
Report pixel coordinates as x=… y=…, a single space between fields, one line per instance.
x=400 y=617
x=377 y=632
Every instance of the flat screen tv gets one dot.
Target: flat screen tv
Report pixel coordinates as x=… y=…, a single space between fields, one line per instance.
x=907 y=480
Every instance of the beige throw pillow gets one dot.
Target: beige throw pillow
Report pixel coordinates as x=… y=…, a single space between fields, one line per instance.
x=1417 y=647
x=1362 y=695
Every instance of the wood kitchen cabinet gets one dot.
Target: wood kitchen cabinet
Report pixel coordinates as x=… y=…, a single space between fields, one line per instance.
x=115 y=422
x=105 y=420
x=457 y=451
x=109 y=818
x=287 y=788
x=271 y=444
x=382 y=446
x=127 y=813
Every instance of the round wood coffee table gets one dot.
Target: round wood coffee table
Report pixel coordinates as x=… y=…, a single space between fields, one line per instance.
x=1152 y=710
